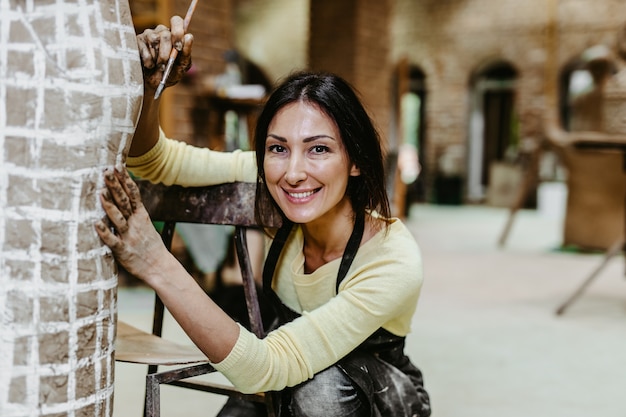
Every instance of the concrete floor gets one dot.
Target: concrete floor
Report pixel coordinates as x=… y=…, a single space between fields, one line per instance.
x=485 y=334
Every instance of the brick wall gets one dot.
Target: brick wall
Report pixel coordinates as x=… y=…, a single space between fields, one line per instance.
x=213 y=28
x=450 y=40
x=351 y=38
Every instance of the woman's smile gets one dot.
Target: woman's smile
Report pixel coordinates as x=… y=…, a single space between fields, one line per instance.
x=301 y=196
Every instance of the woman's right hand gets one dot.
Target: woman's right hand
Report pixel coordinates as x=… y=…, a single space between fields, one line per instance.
x=135 y=243
x=155 y=46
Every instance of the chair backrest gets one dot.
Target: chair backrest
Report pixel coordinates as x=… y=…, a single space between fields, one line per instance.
x=225 y=204
x=229 y=204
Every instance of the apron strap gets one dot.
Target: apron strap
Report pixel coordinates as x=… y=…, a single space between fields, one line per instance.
x=274 y=253
x=281 y=238
x=351 y=248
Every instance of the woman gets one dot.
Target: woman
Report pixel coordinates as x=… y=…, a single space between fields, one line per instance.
x=344 y=276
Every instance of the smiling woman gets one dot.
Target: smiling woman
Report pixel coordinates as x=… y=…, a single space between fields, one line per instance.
x=344 y=277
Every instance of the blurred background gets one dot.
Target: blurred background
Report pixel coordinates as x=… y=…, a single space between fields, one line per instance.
x=504 y=123
x=469 y=89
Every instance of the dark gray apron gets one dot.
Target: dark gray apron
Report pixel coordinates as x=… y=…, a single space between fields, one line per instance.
x=377 y=364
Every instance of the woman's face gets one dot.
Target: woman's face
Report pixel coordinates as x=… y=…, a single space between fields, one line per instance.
x=306 y=165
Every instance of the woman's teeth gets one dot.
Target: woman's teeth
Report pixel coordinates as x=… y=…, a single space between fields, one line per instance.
x=301 y=195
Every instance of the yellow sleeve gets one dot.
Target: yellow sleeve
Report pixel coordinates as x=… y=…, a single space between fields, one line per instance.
x=175 y=162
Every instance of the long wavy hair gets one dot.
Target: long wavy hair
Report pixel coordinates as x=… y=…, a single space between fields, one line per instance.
x=338 y=99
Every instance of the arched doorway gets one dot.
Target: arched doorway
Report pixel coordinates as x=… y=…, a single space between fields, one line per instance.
x=409 y=132
x=493 y=130
x=413 y=115
x=581 y=89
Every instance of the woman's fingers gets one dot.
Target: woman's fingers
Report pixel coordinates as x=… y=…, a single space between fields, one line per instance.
x=183 y=61
x=165 y=47
x=107 y=236
x=120 y=199
x=117 y=193
x=177 y=28
x=116 y=217
x=149 y=44
x=130 y=189
x=154 y=47
x=185 y=54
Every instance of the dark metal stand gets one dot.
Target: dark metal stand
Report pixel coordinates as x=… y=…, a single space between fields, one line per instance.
x=615 y=249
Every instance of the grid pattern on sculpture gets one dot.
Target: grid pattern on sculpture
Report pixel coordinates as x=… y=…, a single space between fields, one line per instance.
x=70 y=88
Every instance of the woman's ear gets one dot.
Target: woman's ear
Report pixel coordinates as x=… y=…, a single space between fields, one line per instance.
x=355 y=171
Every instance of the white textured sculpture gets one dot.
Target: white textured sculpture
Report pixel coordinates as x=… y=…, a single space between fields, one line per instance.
x=70 y=93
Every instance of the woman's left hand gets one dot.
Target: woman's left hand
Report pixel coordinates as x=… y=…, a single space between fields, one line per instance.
x=135 y=243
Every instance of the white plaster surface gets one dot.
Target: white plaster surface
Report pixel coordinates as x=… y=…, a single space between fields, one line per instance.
x=70 y=91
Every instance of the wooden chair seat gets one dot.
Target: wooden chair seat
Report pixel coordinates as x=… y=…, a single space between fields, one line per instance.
x=137 y=346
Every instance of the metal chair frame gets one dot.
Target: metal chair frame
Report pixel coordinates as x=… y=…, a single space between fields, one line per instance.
x=226 y=204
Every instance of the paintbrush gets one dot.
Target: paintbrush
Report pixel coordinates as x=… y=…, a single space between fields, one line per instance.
x=174 y=53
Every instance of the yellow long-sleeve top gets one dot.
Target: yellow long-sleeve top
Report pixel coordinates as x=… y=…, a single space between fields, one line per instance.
x=381 y=288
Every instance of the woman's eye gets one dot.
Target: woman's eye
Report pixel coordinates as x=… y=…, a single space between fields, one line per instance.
x=276 y=148
x=320 y=149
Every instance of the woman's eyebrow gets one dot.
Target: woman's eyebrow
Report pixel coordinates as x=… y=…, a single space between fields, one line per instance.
x=305 y=140
x=316 y=137
x=278 y=138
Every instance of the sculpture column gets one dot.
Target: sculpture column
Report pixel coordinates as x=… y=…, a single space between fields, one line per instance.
x=70 y=93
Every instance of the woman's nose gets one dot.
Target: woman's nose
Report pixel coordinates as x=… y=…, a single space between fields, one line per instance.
x=296 y=171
